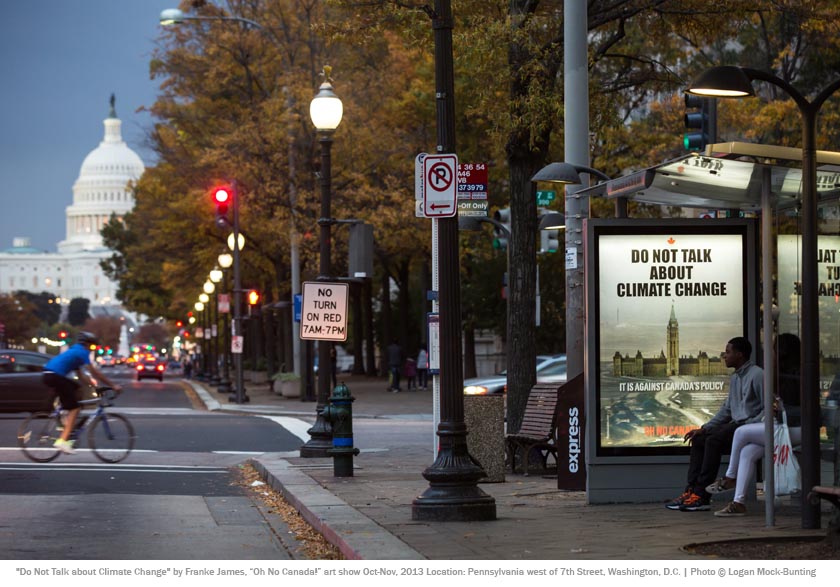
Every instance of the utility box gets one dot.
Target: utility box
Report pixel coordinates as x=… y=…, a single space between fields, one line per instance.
x=484 y=416
x=360 y=259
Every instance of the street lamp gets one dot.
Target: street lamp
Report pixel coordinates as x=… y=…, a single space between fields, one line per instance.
x=213 y=312
x=204 y=300
x=453 y=493
x=565 y=173
x=225 y=262
x=729 y=81
x=199 y=307
x=172 y=16
x=326 y=111
x=236 y=242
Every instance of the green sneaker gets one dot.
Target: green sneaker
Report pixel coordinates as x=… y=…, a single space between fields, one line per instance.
x=65 y=446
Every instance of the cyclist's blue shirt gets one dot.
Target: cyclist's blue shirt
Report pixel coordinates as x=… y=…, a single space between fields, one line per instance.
x=70 y=360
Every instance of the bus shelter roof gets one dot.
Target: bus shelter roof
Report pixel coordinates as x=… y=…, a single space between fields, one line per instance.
x=722 y=178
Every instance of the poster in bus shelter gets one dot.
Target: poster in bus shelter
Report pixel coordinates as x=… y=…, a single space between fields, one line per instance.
x=668 y=300
x=828 y=290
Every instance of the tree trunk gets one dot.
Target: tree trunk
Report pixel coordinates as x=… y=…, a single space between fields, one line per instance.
x=387 y=336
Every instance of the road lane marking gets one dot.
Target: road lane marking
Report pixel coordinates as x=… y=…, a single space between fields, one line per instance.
x=297 y=427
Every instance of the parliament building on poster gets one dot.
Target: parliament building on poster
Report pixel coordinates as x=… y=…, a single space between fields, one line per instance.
x=671 y=363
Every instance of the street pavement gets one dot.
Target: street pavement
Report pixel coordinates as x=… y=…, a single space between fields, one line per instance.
x=368 y=516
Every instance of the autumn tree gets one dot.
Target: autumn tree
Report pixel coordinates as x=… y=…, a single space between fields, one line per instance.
x=106 y=328
x=77 y=311
x=19 y=318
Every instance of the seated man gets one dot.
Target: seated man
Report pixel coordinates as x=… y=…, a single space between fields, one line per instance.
x=711 y=441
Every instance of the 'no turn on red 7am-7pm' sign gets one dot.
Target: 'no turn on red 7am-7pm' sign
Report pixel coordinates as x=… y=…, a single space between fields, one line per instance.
x=324 y=311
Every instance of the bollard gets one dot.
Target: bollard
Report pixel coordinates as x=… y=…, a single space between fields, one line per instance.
x=340 y=415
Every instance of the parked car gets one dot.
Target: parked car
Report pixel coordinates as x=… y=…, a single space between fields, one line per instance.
x=150 y=369
x=550 y=369
x=21 y=388
x=106 y=361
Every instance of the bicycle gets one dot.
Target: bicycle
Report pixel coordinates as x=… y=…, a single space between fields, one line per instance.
x=110 y=436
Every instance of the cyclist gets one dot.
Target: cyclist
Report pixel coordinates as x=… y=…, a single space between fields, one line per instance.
x=56 y=373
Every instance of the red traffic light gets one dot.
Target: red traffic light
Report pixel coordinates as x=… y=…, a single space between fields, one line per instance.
x=62 y=334
x=222 y=195
x=179 y=324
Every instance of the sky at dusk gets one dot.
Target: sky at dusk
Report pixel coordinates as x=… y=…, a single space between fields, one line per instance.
x=62 y=59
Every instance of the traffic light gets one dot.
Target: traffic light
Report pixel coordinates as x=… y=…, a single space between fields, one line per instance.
x=700 y=122
x=549 y=240
x=223 y=198
x=62 y=334
x=253 y=300
x=501 y=236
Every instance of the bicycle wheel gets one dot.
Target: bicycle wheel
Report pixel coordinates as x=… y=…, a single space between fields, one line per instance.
x=36 y=436
x=111 y=437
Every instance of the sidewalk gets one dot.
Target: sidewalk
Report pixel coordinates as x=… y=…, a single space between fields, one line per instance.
x=368 y=516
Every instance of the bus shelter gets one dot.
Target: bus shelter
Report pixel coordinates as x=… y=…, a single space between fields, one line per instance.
x=664 y=295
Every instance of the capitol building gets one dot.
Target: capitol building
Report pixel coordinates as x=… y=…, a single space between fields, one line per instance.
x=103 y=188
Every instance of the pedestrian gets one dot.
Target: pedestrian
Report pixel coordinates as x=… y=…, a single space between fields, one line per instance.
x=410 y=372
x=56 y=375
x=422 y=367
x=748 y=442
x=394 y=352
x=188 y=367
x=711 y=441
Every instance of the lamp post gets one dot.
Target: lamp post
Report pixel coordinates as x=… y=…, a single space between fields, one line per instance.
x=453 y=493
x=730 y=81
x=326 y=111
x=199 y=307
x=235 y=243
x=206 y=345
x=565 y=173
x=213 y=311
x=225 y=261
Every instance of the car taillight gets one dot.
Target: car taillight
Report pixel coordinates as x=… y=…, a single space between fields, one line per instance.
x=139 y=367
x=475 y=390
x=160 y=367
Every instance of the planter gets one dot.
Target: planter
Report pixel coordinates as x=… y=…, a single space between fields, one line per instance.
x=290 y=388
x=287 y=386
x=259 y=377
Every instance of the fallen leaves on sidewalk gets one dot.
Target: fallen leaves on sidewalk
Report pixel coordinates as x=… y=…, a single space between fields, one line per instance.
x=313 y=544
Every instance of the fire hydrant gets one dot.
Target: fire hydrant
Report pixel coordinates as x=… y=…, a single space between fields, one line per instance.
x=340 y=415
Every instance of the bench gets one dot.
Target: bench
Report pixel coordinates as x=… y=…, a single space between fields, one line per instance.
x=538 y=429
x=819 y=492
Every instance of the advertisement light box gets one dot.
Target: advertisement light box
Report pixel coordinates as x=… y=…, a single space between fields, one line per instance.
x=663 y=300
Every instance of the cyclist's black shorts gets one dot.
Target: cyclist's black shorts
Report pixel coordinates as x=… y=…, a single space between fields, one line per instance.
x=66 y=389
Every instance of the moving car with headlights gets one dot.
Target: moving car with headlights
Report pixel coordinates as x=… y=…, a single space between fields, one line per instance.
x=21 y=387
x=550 y=369
x=150 y=369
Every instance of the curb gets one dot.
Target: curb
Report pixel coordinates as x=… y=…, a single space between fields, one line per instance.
x=354 y=534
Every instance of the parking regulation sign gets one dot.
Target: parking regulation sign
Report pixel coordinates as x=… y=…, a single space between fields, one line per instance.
x=440 y=186
x=324 y=311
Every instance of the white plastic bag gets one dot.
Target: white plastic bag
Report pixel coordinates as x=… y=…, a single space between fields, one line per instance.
x=785 y=467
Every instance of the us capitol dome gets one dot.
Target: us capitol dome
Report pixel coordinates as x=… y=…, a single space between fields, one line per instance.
x=104 y=187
